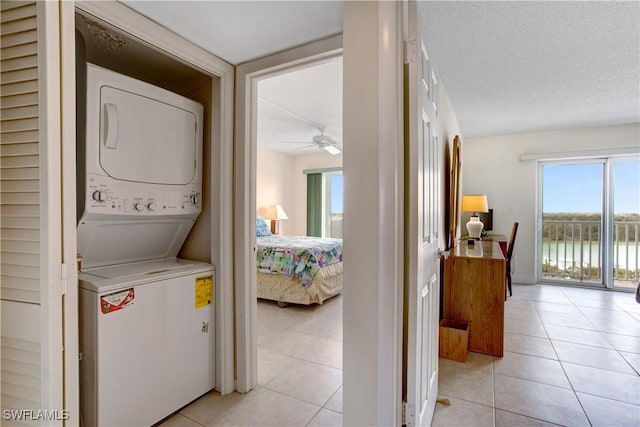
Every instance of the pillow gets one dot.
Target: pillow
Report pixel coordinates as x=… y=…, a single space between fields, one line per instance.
x=262 y=228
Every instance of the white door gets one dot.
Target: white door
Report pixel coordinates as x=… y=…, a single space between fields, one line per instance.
x=422 y=288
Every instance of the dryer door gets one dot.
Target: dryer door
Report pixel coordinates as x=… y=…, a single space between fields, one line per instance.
x=146 y=140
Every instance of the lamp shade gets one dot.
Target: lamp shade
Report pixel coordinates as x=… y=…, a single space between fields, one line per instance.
x=475 y=203
x=273 y=212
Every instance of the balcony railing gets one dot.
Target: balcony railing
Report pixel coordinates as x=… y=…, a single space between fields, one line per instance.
x=573 y=250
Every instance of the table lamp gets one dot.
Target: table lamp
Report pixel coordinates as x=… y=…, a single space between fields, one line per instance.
x=475 y=203
x=275 y=213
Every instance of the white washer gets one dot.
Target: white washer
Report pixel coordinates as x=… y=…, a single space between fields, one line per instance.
x=147 y=340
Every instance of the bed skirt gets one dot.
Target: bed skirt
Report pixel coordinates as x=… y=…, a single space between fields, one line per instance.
x=326 y=283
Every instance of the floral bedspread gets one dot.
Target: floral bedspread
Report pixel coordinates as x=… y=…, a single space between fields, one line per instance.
x=297 y=257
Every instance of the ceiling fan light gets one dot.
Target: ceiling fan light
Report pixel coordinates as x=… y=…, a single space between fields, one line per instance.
x=332 y=149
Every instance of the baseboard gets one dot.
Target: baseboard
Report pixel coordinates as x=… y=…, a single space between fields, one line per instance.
x=523 y=280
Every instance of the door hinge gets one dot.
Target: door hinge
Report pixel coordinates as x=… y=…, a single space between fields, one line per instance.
x=409 y=52
x=408 y=414
x=59 y=286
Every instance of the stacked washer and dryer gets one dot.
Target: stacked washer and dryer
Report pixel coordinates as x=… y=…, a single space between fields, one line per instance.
x=146 y=317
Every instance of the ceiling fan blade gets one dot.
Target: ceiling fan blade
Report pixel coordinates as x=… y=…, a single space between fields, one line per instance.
x=296 y=115
x=306 y=147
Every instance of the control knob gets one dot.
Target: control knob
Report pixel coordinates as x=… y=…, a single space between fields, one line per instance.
x=151 y=206
x=139 y=207
x=193 y=199
x=99 y=196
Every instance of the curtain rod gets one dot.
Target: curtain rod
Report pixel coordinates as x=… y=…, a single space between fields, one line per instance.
x=599 y=152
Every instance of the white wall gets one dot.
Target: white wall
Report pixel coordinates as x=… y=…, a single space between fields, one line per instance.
x=300 y=164
x=492 y=166
x=274 y=178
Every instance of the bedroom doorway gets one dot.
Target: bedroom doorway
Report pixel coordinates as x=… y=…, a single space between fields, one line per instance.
x=298 y=179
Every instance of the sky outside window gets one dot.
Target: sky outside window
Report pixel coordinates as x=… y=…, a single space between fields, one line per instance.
x=336 y=194
x=572 y=188
x=626 y=197
x=578 y=188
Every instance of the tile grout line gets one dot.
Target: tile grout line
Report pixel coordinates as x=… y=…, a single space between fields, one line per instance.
x=303 y=360
x=297 y=398
x=191 y=419
x=565 y=371
x=493 y=378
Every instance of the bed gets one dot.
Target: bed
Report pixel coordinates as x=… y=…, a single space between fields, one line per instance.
x=297 y=269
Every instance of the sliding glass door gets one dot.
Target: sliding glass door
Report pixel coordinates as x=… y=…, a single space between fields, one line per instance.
x=589 y=222
x=572 y=222
x=626 y=222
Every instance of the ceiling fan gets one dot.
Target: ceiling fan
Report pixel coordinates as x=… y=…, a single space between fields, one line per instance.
x=322 y=141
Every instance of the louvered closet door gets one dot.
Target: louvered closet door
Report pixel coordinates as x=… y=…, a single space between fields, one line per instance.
x=19 y=155
x=25 y=250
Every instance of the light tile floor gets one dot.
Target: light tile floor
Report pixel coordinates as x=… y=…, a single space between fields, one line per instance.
x=572 y=357
x=299 y=373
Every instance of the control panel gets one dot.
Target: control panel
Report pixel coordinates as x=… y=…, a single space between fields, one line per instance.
x=105 y=196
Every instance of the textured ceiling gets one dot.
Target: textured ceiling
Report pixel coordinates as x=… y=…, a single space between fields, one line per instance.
x=514 y=67
x=293 y=106
x=508 y=67
x=239 y=31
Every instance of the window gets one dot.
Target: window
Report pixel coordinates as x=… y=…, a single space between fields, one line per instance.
x=324 y=202
x=590 y=217
x=333 y=210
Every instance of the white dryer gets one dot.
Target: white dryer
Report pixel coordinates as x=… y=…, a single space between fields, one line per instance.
x=147 y=318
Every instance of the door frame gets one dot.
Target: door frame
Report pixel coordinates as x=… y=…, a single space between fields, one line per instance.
x=373 y=212
x=247 y=77
x=139 y=26
x=69 y=315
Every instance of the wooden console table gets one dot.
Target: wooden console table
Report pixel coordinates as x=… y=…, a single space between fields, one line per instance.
x=474 y=292
x=500 y=238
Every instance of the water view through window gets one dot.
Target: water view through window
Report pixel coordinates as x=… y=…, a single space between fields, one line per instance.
x=591 y=222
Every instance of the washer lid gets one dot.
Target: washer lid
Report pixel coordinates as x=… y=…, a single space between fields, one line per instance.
x=103 y=242
x=144 y=268
x=102 y=279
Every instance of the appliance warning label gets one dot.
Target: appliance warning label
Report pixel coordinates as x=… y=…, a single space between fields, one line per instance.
x=204 y=291
x=116 y=301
